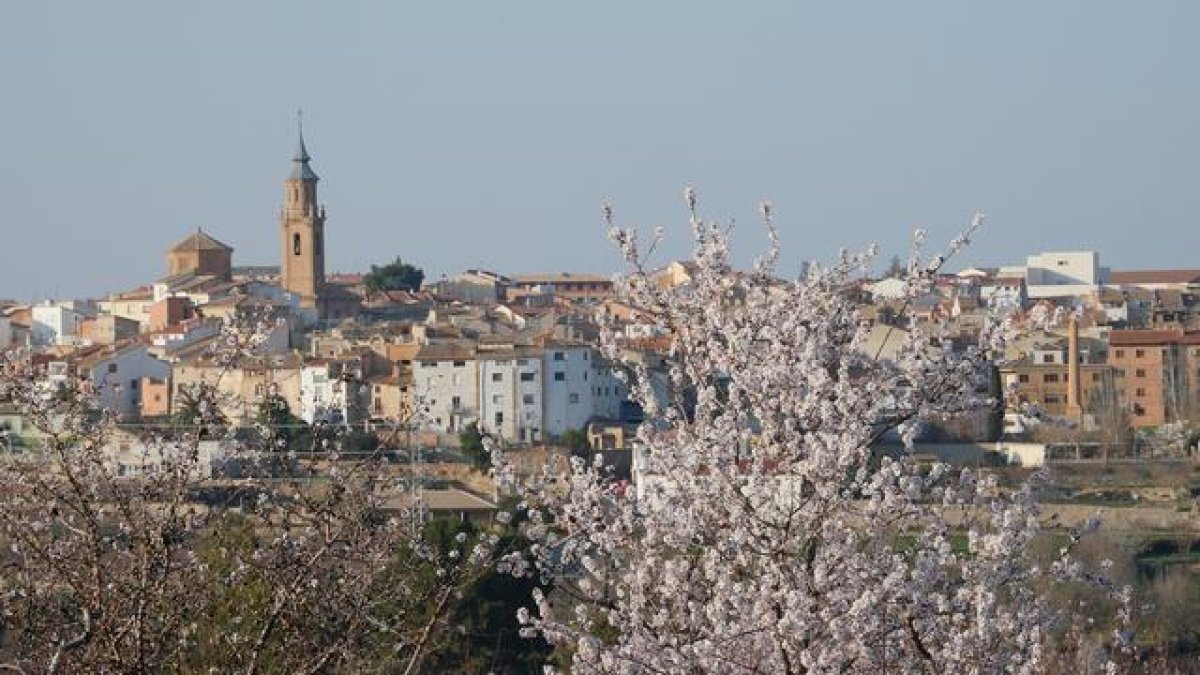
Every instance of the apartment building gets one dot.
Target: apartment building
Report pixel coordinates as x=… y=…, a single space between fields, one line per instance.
x=1157 y=374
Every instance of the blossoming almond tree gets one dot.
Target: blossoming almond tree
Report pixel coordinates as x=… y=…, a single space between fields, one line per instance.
x=764 y=533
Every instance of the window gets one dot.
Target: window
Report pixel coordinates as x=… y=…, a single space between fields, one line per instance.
x=499 y=418
x=296 y=244
x=1139 y=392
x=1095 y=377
x=496 y=399
x=459 y=364
x=560 y=377
x=112 y=367
x=585 y=355
x=456 y=402
x=1047 y=358
x=1052 y=399
x=1140 y=372
x=1120 y=353
x=133 y=385
x=585 y=376
x=527 y=399
x=560 y=356
x=522 y=362
x=573 y=398
x=527 y=377
x=1050 y=377
x=1139 y=353
x=1022 y=378
x=497 y=377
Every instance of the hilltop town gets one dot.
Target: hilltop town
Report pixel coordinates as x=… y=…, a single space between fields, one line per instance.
x=1107 y=360
x=1100 y=377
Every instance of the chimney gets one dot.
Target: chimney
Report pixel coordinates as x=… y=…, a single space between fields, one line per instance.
x=1074 y=385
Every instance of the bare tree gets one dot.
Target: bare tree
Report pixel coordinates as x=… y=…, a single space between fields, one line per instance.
x=134 y=555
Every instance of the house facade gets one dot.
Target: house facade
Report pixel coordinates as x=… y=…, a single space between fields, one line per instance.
x=116 y=375
x=1158 y=374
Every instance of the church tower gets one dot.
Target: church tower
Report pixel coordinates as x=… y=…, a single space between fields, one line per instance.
x=302 y=230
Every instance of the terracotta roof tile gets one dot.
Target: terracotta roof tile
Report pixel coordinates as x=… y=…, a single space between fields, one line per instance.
x=1134 y=277
x=1144 y=337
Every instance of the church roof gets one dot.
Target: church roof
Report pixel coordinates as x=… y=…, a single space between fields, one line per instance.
x=199 y=241
x=301 y=170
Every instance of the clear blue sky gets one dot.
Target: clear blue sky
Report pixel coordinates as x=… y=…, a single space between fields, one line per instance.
x=483 y=133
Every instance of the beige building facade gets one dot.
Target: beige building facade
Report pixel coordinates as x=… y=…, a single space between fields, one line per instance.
x=241 y=388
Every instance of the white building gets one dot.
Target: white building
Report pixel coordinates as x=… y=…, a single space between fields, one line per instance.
x=328 y=390
x=182 y=335
x=134 y=305
x=511 y=395
x=1003 y=293
x=58 y=323
x=115 y=376
x=6 y=334
x=579 y=387
x=205 y=460
x=446 y=386
x=1063 y=274
x=523 y=394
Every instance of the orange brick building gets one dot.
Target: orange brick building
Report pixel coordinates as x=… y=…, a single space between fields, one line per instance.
x=1157 y=374
x=1042 y=378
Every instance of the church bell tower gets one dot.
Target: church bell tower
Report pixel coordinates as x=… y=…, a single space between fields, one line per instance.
x=302 y=230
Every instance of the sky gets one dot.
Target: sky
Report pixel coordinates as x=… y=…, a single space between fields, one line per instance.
x=477 y=133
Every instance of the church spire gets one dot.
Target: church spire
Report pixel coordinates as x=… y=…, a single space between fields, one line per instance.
x=301 y=170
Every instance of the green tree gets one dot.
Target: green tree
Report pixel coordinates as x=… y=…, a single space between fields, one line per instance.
x=485 y=637
x=281 y=425
x=470 y=440
x=197 y=408
x=197 y=405
x=236 y=598
x=895 y=268
x=576 y=441
x=394 y=276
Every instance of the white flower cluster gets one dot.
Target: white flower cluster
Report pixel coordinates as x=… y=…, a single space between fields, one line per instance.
x=765 y=533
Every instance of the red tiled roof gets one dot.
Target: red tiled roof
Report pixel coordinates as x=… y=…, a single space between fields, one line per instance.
x=348 y=279
x=200 y=241
x=1134 y=277
x=1145 y=337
